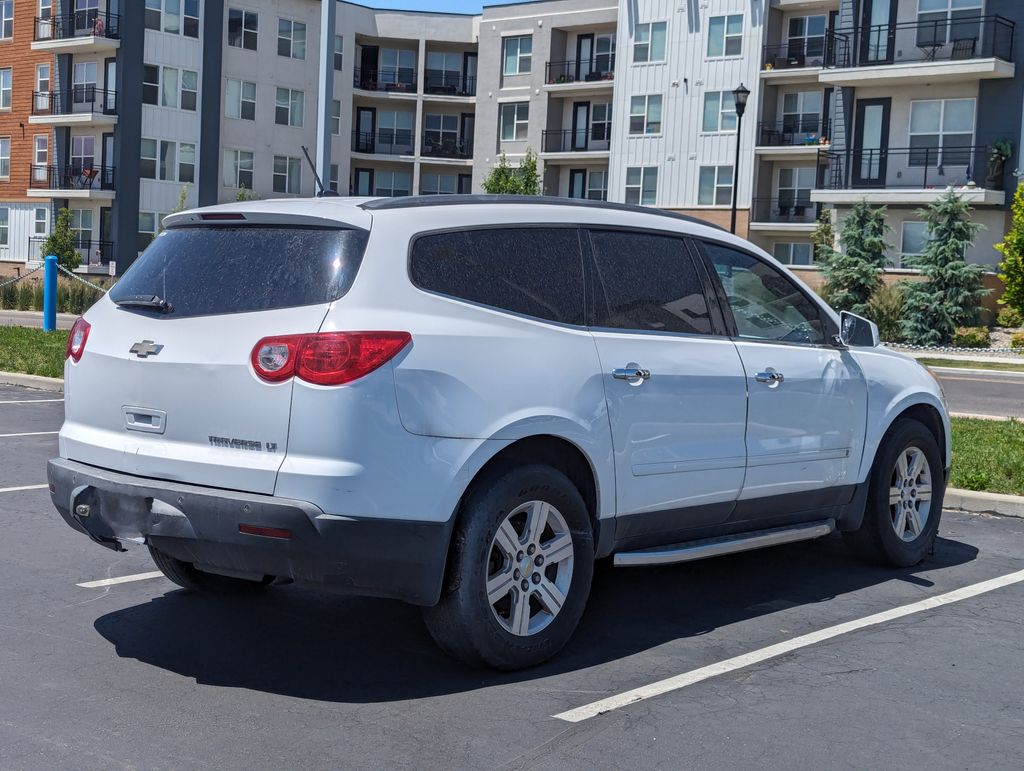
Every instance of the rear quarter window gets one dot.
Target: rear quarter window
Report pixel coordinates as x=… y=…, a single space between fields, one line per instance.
x=533 y=271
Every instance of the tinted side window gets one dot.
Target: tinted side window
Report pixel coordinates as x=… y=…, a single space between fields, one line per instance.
x=764 y=302
x=534 y=271
x=648 y=282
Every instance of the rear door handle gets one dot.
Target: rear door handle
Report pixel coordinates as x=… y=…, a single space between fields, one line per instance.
x=769 y=376
x=632 y=373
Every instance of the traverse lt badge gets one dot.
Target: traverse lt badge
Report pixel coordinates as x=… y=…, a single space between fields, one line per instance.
x=145 y=349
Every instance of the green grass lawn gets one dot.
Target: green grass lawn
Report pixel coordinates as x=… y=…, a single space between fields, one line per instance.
x=988 y=455
x=1001 y=366
x=32 y=351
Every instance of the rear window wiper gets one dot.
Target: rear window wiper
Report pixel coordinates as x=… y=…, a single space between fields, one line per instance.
x=155 y=302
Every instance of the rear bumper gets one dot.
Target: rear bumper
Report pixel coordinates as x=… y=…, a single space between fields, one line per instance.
x=400 y=559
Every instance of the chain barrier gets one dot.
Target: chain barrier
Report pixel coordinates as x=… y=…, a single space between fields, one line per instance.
x=16 y=279
x=76 y=277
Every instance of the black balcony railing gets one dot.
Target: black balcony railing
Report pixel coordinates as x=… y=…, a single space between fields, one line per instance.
x=600 y=67
x=438 y=145
x=965 y=166
x=89 y=22
x=75 y=101
x=793 y=131
x=794 y=207
x=448 y=83
x=958 y=38
x=383 y=142
x=797 y=53
x=593 y=139
x=74 y=176
x=91 y=251
x=395 y=79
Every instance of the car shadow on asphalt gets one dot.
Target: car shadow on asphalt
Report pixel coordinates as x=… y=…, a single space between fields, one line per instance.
x=312 y=645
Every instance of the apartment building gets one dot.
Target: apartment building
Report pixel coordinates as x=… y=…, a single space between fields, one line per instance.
x=889 y=101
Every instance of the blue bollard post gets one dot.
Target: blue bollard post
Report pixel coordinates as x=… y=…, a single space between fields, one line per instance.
x=50 y=294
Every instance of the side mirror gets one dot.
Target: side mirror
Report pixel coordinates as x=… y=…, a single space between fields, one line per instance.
x=857 y=332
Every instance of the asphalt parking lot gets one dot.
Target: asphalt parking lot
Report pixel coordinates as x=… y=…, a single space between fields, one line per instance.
x=141 y=674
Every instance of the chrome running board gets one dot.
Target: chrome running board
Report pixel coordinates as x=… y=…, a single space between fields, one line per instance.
x=725 y=544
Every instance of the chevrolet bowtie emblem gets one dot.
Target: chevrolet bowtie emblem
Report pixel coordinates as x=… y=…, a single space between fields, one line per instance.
x=145 y=348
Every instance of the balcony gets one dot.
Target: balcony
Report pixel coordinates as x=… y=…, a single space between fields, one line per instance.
x=908 y=53
x=799 y=59
x=389 y=80
x=787 y=213
x=438 y=145
x=909 y=175
x=383 y=142
x=77 y=180
x=82 y=105
x=794 y=136
x=579 y=143
x=84 y=31
x=577 y=76
x=440 y=83
x=92 y=253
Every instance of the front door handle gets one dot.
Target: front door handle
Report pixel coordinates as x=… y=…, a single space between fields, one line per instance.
x=632 y=373
x=769 y=376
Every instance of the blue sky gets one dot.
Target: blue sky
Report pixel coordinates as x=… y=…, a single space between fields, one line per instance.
x=457 y=6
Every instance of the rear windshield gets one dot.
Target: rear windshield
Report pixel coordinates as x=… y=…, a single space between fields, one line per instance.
x=203 y=271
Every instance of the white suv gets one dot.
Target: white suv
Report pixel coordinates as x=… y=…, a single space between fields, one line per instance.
x=463 y=401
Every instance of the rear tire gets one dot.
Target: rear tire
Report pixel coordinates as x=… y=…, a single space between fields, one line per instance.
x=187 y=576
x=904 y=504
x=519 y=572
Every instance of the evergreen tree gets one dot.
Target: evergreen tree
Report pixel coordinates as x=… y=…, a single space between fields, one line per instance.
x=853 y=275
x=61 y=242
x=504 y=179
x=1012 y=249
x=950 y=295
x=824 y=236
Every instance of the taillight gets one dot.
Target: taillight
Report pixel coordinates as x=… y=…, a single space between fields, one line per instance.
x=325 y=358
x=76 y=339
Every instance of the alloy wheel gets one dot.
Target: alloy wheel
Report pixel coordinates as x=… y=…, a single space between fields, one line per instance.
x=910 y=494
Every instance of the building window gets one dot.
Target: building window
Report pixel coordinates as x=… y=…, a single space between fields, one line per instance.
x=41 y=222
x=190 y=28
x=42 y=101
x=5 y=88
x=5 y=226
x=5 y=157
x=597 y=186
x=642 y=185
x=397 y=67
x=240 y=99
x=147 y=229
x=333 y=183
x=83 y=152
x=794 y=254
x=6 y=19
x=719 y=111
x=649 y=42
x=189 y=90
x=238 y=168
x=440 y=130
x=172 y=16
x=152 y=15
x=715 y=186
x=807 y=39
x=645 y=114
x=601 y=122
x=291 y=39
x=801 y=112
x=168 y=158
x=438 y=184
x=336 y=117
x=515 y=121
x=444 y=72
x=289 y=107
x=169 y=86
x=287 y=175
x=913 y=241
x=392 y=184
x=81 y=225
x=186 y=162
x=944 y=21
x=795 y=186
x=147 y=153
x=518 y=55
x=941 y=132
x=40 y=157
x=339 y=52
x=243 y=28
x=150 y=84
x=725 y=36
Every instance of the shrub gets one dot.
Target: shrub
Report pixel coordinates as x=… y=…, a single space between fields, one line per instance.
x=1011 y=269
x=886 y=310
x=61 y=242
x=1009 y=317
x=1017 y=341
x=523 y=179
x=24 y=296
x=853 y=275
x=37 y=296
x=9 y=297
x=971 y=337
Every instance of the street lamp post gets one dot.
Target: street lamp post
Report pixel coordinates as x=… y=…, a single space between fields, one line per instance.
x=740 y=96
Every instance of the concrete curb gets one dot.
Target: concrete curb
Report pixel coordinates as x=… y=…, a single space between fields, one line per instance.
x=953 y=371
x=53 y=384
x=975 y=502
x=976 y=416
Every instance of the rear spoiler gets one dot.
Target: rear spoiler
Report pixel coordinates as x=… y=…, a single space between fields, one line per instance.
x=215 y=216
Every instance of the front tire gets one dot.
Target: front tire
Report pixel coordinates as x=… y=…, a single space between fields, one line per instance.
x=519 y=573
x=187 y=576
x=904 y=504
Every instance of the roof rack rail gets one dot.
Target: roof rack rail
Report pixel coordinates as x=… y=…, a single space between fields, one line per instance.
x=420 y=201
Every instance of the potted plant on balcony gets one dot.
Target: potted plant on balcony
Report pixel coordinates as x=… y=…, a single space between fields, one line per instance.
x=998 y=155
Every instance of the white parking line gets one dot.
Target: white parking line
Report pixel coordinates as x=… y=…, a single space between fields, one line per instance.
x=120 y=580
x=25 y=487
x=30 y=401
x=30 y=433
x=773 y=651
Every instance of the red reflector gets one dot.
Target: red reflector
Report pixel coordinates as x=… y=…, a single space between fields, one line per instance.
x=267 y=532
x=76 y=339
x=222 y=217
x=326 y=358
